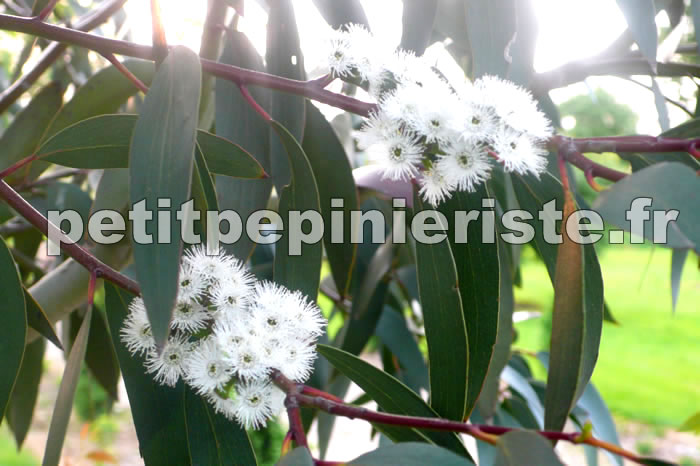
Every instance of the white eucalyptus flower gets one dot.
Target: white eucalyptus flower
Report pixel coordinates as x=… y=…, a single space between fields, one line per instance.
x=434 y=186
x=465 y=164
x=399 y=156
x=519 y=152
x=189 y=316
x=136 y=332
x=167 y=366
x=253 y=404
x=206 y=369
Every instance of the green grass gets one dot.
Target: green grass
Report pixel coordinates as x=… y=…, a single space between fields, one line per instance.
x=9 y=456
x=649 y=366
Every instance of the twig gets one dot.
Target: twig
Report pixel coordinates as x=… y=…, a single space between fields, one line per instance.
x=47 y=10
x=232 y=73
x=160 y=45
x=55 y=51
x=253 y=103
x=125 y=71
x=77 y=252
x=53 y=176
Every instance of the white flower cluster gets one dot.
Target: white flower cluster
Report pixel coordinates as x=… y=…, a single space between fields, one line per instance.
x=444 y=134
x=228 y=332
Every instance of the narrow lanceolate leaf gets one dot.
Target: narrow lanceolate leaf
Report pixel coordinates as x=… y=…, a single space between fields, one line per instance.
x=103 y=93
x=651 y=183
x=162 y=437
x=160 y=168
x=333 y=173
x=520 y=447
x=491 y=27
x=661 y=108
x=301 y=271
x=445 y=328
x=14 y=325
x=237 y=121
x=488 y=400
x=213 y=439
x=568 y=329
x=532 y=194
x=640 y=16
x=478 y=278
x=21 y=408
x=103 y=142
x=21 y=138
x=677 y=262
x=66 y=392
x=392 y=396
x=39 y=321
x=417 y=20
x=284 y=58
x=100 y=358
x=410 y=454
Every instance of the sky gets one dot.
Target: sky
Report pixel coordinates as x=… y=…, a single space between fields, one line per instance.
x=568 y=30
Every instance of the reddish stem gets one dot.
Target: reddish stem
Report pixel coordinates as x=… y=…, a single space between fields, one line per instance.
x=47 y=10
x=253 y=103
x=306 y=390
x=591 y=182
x=125 y=71
x=77 y=252
x=17 y=165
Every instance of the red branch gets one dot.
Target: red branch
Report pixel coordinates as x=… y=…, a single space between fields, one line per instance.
x=125 y=71
x=77 y=252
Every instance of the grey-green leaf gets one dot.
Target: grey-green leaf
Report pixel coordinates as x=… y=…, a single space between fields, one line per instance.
x=652 y=183
x=410 y=454
x=160 y=166
x=301 y=271
x=677 y=262
x=491 y=28
x=640 y=16
x=103 y=142
x=518 y=448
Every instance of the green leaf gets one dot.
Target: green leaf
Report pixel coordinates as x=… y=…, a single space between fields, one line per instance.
x=103 y=93
x=203 y=194
x=692 y=424
x=333 y=174
x=284 y=58
x=237 y=121
x=661 y=108
x=491 y=26
x=392 y=396
x=213 y=439
x=445 y=328
x=677 y=262
x=520 y=447
x=14 y=325
x=21 y=138
x=21 y=408
x=299 y=272
x=522 y=50
x=100 y=358
x=103 y=142
x=520 y=384
x=652 y=183
x=39 y=321
x=640 y=16
x=300 y=456
x=338 y=14
x=478 y=279
x=695 y=9
x=160 y=166
x=598 y=413
x=66 y=393
x=410 y=454
x=532 y=194
x=158 y=411
x=488 y=399
x=417 y=20
x=394 y=333
x=368 y=301
x=655 y=462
